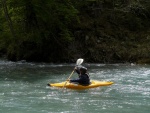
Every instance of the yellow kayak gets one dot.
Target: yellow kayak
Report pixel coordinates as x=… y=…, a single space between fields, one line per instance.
x=94 y=84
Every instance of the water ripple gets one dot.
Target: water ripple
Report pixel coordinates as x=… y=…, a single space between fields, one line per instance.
x=23 y=89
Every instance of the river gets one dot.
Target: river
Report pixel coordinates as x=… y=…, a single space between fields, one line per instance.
x=23 y=89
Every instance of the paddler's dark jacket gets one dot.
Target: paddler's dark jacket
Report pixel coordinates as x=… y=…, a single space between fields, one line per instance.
x=83 y=78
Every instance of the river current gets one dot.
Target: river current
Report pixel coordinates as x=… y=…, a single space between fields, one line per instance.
x=23 y=89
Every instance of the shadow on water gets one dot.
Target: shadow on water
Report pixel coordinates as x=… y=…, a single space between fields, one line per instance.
x=31 y=72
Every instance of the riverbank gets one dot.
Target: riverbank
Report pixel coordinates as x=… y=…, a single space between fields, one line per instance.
x=98 y=31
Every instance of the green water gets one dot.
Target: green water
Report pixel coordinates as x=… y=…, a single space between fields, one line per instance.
x=23 y=89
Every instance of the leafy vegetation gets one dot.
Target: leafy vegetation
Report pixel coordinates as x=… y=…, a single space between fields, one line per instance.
x=106 y=31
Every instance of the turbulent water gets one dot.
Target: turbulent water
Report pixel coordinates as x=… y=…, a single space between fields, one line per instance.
x=23 y=89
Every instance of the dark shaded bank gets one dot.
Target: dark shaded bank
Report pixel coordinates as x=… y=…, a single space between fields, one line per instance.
x=104 y=31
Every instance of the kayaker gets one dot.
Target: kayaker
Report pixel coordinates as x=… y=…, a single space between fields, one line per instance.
x=83 y=76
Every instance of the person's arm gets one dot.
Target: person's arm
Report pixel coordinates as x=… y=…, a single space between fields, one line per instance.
x=77 y=70
x=76 y=80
